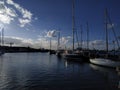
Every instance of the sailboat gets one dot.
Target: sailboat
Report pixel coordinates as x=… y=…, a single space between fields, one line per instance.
x=59 y=51
x=71 y=55
x=106 y=60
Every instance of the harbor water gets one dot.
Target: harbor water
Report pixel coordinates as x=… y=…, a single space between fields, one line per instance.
x=41 y=71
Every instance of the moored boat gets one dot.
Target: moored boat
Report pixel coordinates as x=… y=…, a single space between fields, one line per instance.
x=59 y=53
x=72 y=55
x=105 y=62
x=107 y=59
x=52 y=52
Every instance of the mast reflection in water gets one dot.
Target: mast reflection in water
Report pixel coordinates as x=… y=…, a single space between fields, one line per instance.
x=40 y=71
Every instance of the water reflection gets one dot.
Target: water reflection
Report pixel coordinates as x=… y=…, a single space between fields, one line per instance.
x=66 y=64
x=40 y=71
x=109 y=75
x=119 y=73
x=1 y=65
x=100 y=68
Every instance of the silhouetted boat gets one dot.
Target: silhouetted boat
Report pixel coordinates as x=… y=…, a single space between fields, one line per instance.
x=52 y=52
x=72 y=55
x=59 y=51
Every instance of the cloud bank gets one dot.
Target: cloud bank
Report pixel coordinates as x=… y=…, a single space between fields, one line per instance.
x=44 y=42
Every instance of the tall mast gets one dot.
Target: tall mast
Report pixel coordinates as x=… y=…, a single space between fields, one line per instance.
x=58 y=40
x=107 y=18
x=113 y=30
x=87 y=36
x=106 y=30
x=0 y=38
x=81 y=35
x=50 y=43
x=73 y=22
x=77 y=38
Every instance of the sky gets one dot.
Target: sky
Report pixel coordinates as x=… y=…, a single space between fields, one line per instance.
x=32 y=23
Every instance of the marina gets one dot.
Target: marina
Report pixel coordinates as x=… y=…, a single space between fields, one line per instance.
x=65 y=45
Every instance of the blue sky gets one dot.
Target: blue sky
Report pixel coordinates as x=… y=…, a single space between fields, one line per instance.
x=31 y=23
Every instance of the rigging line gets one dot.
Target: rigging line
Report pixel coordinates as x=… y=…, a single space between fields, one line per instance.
x=77 y=38
x=113 y=30
x=106 y=30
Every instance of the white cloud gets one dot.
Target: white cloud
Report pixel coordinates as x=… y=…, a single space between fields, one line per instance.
x=2 y=7
x=26 y=15
x=51 y=33
x=65 y=40
x=44 y=42
x=23 y=22
x=97 y=42
x=5 y=19
x=10 y=2
x=24 y=42
x=17 y=41
x=10 y=12
x=8 y=9
x=6 y=14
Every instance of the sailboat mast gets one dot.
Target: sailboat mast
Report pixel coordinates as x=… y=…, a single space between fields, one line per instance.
x=113 y=31
x=58 y=40
x=81 y=35
x=0 y=38
x=87 y=36
x=77 y=38
x=73 y=22
x=106 y=30
x=50 y=43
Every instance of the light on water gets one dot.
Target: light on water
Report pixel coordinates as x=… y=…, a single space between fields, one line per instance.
x=40 y=71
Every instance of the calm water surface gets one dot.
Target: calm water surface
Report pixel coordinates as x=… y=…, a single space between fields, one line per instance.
x=40 y=71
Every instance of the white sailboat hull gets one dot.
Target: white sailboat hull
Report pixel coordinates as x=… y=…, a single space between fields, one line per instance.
x=105 y=62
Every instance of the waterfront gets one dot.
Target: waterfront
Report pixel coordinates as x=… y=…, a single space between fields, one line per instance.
x=41 y=71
